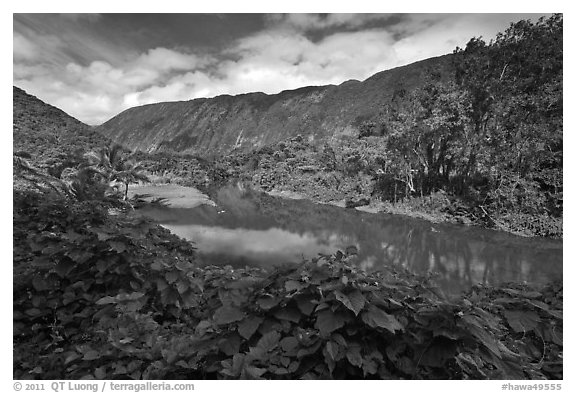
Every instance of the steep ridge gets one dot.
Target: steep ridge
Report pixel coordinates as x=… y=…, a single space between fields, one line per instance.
x=48 y=133
x=245 y=122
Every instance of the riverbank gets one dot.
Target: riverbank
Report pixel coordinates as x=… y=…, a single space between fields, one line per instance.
x=426 y=208
x=373 y=207
x=174 y=195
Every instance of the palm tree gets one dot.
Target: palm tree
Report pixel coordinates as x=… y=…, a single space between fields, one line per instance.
x=85 y=182
x=131 y=173
x=116 y=167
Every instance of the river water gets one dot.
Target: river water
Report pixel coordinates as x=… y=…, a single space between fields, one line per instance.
x=250 y=228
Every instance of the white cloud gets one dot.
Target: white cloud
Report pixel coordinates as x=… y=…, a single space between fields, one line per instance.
x=277 y=58
x=163 y=59
x=274 y=61
x=98 y=91
x=24 y=49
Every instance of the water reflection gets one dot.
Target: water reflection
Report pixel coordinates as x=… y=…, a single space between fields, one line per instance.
x=248 y=228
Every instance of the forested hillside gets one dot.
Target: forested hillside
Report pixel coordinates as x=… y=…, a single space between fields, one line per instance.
x=484 y=146
x=49 y=137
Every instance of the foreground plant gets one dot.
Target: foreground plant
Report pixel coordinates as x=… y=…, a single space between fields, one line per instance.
x=97 y=296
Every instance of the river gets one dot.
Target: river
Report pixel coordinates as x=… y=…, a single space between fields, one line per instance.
x=246 y=227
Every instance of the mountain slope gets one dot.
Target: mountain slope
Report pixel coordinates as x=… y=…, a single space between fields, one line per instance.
x=47 y=133
x=248 y=121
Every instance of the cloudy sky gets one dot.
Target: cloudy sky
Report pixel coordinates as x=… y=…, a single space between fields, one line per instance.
x=94 y=66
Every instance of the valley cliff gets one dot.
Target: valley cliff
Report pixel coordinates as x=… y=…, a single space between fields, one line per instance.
x=46 y=132
x=213 y=126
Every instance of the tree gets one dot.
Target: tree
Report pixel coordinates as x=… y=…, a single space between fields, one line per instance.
x=115 y=166
x=425 y=134
x=131 y=172
x=512 y=88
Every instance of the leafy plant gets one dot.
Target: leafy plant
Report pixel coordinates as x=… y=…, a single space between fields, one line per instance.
x=100 y=296
x=116 y=166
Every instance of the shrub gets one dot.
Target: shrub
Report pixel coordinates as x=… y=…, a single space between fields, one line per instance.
x=100 y=296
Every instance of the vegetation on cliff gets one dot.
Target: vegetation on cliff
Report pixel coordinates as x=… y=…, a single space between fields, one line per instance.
x=484 y=147
x=51 y=139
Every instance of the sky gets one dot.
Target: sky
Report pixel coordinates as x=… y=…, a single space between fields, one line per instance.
x=94 y=66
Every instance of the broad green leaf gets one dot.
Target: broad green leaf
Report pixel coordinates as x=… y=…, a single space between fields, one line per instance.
x=126 y=297
x=369 y=366
x=289 y=314
x=538 y=304
x=406 y=365
x=288 y=343
x=102 y=236
x=71 y=357
x=249 y=326
x=182 y=286
x=328 y=360
x=522 y=321
x=79 y=256
x=292 y=285
x=168 y=354
x=293 y=366
x=230 y=345
x=284 y=361
x=310 y=350
x=305 y=304
x=522 y=294
x=39 y=283
x=269 y=341
x=278 y=370
x=172 y=276
x=202 y=327
x=244 y=282
x=117 y=246
x=228 y=314
x=100 y=372
x=337 y=337
x=234 y=367
x=468 y=364
x=354 y=301
x=475 y=327
x=327 y=321
x=161 y=284
x=354 y=356
x=33 y=312
x=438 y=352
x=332 y=349
x=91 y=355
x=266 y=303
x=64 y=267
x=106 y=300
x=189 y=299
x=254 y=372
x=375 y=317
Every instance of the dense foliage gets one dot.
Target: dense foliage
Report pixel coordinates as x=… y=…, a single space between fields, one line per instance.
x=53 y=140
x=100 y=293
x=113 y=296
x=185 y=170
x=489 y=140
